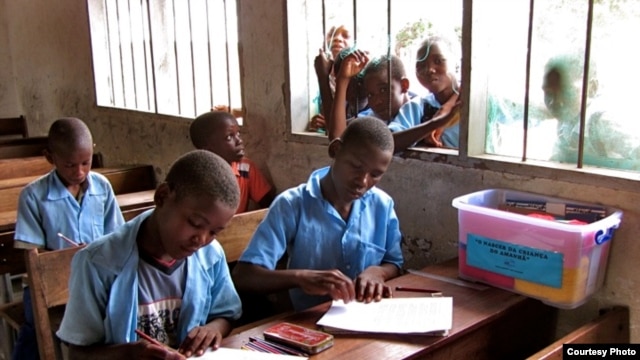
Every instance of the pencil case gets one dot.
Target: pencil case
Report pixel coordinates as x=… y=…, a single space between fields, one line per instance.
x=299 y=337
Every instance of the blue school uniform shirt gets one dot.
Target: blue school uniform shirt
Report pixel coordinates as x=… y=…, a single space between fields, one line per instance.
x=46 y=208
x=411 y=114
x=314 y=235
x=103 y=291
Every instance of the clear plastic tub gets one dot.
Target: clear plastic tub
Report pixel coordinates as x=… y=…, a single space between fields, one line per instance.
x=559 y=263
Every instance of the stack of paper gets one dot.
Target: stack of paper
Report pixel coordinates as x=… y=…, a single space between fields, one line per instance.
x=418 y=315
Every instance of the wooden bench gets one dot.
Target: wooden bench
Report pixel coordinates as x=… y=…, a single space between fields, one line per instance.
x=15 y=126
x=48 y=274
x=127 y=179
x=123 y=179
x=236 y=236
x=611 y=327
x=130 y=203
x=24 y=166
x=23 y=147
x=234 y=239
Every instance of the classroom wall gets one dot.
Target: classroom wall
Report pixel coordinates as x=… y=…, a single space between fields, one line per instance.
x=45 y=73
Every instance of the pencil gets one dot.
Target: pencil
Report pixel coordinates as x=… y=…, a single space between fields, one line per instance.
x=68 y=240
x=410 y=289
x=150 y=339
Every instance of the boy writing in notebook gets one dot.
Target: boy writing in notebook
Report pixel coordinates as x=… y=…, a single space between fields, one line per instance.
x=340 y=232
x=69 y=203
x=218 y=132
x=161 y=273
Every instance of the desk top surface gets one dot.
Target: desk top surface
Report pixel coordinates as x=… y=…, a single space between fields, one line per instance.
x=472 y=309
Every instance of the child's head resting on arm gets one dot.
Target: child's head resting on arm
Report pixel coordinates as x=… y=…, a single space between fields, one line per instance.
x=386 y=99
x=218 y=132
x=70 y=150
x=198 y=198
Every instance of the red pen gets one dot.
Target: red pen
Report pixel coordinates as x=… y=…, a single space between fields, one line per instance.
x=410 y=289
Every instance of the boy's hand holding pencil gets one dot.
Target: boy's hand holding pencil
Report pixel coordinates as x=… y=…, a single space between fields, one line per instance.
x=156 y=349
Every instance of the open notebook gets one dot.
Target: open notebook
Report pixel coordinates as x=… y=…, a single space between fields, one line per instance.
x=417 y=315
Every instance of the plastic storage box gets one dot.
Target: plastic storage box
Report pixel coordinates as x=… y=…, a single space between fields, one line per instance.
x=559 y=263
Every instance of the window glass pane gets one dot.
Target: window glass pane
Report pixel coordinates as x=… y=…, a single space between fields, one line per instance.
x=558 y=51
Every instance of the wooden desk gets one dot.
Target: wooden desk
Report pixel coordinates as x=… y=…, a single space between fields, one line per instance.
x=487 y=324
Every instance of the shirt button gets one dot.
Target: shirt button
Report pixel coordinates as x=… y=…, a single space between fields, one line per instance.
x=348 y=266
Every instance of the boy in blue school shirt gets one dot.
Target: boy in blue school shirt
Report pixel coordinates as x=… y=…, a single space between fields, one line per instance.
x=71 y=200
x=340 y=232
x=161 y=273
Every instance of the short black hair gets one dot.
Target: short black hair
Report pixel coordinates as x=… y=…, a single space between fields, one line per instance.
x=368 y=130
x=68 y=134
x=203 y=173
x=202 y=127
x=381 y=63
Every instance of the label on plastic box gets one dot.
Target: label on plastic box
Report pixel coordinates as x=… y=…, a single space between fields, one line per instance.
x=522 y=262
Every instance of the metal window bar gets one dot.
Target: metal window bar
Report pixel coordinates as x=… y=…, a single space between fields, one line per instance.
x=193 y=64
x=133 y=59
x=150 y=67
x=226 y=53
x=525 y=122
x=585 y=84
x=175 y=49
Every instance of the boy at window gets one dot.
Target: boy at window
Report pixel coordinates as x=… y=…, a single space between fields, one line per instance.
x=386 y=101
x=218 y=132
x=160 y=273
x=71 y=200
x=610 y=137
x=384 y=98
x=336 y=227
x=336 y=40
x=414 y=121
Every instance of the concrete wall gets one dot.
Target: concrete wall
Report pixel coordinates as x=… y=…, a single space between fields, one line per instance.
x=46 y=73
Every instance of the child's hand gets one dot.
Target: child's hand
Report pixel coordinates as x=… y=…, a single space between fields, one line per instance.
x=434 y=138
x=370 y=285
x=317 y=122
x=327 y=282
x=322 y=64
x=353 y=64
x=147 y=350
x=200 y=339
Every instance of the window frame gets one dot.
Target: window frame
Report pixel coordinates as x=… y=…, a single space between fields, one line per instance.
x=125 y=35
x=470 y=154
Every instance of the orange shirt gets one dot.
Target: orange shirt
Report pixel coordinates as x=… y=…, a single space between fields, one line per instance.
x=253 y=185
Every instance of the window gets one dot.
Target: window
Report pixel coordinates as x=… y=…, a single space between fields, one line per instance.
x=523 y=71
x=576 y=113
x=173 y=57
x=408 y=25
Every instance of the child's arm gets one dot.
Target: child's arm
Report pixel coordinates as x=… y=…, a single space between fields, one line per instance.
x=405 y=138
x=29 y=233
x=135 y=350
x=203 y=337
x=113 y=218
x=351 y=66
x=370 y=284
x=433 y=139
x=323 y=67
x=257 y=279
